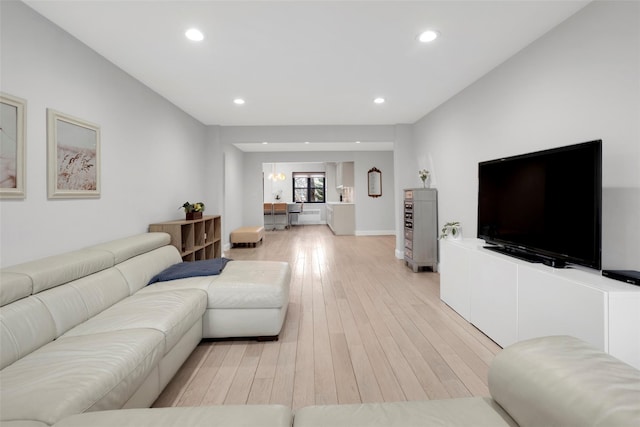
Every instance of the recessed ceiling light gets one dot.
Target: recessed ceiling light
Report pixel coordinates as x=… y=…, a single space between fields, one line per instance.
x=194 y=34
x=264 y=142
x=428 y=36
x=306 y=142
x=238 y=101
x=379 y=100
x=357 y=142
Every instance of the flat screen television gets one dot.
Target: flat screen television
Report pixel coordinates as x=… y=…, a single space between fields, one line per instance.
x=544 y=206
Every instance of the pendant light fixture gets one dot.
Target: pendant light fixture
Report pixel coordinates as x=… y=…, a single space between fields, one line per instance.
x=274 y=176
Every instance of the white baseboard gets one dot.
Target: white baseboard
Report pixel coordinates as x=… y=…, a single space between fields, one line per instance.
x=375 y=232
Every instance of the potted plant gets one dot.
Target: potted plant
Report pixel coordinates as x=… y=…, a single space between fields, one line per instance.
x=193 y=210
x=451 y=230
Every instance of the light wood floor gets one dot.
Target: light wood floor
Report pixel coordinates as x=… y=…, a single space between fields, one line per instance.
x=361 y=327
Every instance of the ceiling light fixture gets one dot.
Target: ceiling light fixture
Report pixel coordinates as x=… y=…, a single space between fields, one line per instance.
x=194 y=35
x=379 y=100
x=357 y=142
x=264 y=142
x=428 y=36
x=275 y=176
x=238 y=101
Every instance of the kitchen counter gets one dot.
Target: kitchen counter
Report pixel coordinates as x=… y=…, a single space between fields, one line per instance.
x=341 y=218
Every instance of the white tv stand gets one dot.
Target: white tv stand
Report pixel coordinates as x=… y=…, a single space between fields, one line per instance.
x=511 y=300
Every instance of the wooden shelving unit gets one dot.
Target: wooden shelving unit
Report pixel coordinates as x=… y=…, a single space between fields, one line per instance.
x=196 y=239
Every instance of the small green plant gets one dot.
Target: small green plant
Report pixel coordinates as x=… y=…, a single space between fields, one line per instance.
x=195 y=207
x=450 y=228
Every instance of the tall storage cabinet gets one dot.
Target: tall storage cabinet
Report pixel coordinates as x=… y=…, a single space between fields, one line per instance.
x=421 y=228
x=196 y=239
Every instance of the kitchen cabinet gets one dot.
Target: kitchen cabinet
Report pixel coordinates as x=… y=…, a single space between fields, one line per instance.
x=341 y=218
x=344 y=175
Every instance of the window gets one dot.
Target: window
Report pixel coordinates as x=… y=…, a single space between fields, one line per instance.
x=308 y=187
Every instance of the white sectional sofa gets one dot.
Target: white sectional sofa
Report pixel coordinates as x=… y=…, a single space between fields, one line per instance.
x=83 y=341
x=82 y=332
x=552 y=381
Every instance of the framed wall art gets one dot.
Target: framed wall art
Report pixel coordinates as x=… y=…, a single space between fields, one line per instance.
x=73 y=157
x=12 y=146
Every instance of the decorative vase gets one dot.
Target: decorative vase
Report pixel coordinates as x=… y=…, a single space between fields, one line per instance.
x=424 y=183
x=193 y=215
x=457 y=236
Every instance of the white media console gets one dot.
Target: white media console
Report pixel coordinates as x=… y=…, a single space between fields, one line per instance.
x=511 y=300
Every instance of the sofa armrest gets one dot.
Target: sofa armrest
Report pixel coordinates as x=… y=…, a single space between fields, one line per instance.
x=562 y=381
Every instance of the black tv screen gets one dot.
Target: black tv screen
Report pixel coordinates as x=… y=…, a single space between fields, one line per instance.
x=544 y=206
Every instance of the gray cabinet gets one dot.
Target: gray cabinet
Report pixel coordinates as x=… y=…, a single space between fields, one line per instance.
x=421 y=228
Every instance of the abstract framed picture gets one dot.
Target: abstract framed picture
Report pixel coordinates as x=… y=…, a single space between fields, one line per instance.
x=12 y=147
x=73 y=157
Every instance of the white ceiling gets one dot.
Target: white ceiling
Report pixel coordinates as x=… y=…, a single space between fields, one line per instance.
x=307 y=62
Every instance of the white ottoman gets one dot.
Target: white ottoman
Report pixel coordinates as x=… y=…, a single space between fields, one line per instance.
x=248 y=299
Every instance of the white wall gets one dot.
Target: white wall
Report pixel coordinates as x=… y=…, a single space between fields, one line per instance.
x=235 y=188
x=374 y=215
x=152 y=153
x=577 y=83
x=406 y=166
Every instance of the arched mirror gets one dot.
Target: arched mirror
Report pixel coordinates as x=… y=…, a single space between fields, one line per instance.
x=374 y=179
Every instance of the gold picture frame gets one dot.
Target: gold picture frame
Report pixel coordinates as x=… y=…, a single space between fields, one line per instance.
x=12 y=146
x=73 y=155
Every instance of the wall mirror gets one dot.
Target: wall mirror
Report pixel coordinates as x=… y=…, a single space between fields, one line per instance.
x=374 y=180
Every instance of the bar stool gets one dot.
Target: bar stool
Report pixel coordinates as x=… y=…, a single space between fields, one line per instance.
x=294 y=209
x=268 y=211
x=279 y=209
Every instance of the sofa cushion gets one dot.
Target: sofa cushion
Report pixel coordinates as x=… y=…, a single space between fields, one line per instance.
x=56 y=270
x=25 y=326
x=24 y=423
x=472 y=411
x=171 y=312
x=14 y=286
x=78 y=374
x=251 y=284
x=83 y=298
x=203 y=416
x=138 y=270
x=562 y=381
x=201 y=282
x=129 y=247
